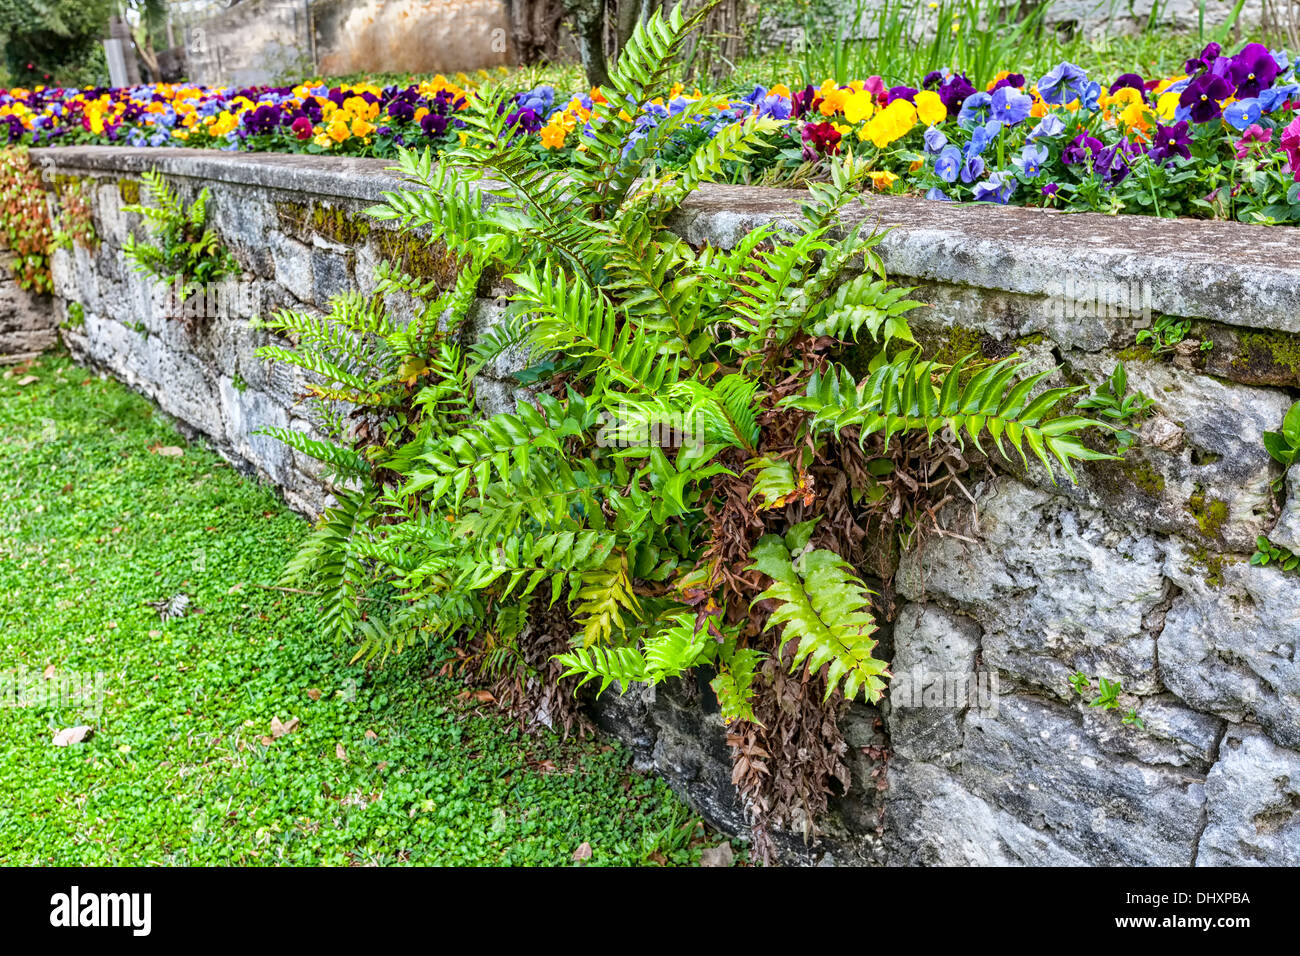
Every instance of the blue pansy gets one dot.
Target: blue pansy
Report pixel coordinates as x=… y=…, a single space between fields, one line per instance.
x=1049 y=126
x=1010 y=106
x=1063 y=83
x=935 y=140
x=1276 y=97
x=975 y=110
x=981 y=136
x=948 y=164
x=972 y=168
x=997 y=188
x=934 y=192
x=1242 y=113
x=1031 y=159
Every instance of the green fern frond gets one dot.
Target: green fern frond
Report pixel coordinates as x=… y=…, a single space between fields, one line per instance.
x=911 y=395
x=823 y=606
x=774 y=481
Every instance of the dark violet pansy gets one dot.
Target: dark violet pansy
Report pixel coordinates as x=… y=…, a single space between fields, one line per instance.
x=1171 y=141
x=1252 y=70
x=1204 y=95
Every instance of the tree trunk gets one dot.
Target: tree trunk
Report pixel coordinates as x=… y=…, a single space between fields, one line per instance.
x=589 y=30
x=534 y=29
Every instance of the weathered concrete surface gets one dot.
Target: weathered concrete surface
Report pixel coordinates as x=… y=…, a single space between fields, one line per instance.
x=27 y=323
x=1138 y=574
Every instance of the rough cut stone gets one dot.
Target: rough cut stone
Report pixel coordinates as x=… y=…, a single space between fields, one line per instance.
x=1286 y=532
x=934 y=652
x=1055 y=587
x=932 y=819
x=1229 y=644
x=1213 y=482
x=1034 y=760
x=1252 y=804
x=27 y=321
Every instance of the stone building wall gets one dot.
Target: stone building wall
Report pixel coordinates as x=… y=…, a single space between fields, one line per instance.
x=269 y=41
x=1138 y=573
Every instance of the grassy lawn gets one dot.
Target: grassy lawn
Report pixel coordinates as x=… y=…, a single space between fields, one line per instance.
x=98 y=516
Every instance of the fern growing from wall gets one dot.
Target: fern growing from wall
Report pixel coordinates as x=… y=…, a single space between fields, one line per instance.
x=660 y=483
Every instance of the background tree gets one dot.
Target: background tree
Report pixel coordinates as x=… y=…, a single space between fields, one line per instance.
x=47 y=41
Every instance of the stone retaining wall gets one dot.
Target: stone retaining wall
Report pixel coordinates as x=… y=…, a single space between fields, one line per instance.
x=26 y=319
x=1138 y=574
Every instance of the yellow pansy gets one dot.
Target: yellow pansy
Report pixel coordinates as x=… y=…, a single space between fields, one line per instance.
x=553 y=135
x=1166 y=105
x=929 y=107
x=858 y=106
x=223 y=124
x=357 y=106
x=338 y=129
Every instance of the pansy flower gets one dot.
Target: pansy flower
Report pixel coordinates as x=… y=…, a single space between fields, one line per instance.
x=1242 y=113
x=997 y=188
x=1171 y=141
x=1252 y=70
x=1063 y=84
x=1009 y=106
x=1203 y=96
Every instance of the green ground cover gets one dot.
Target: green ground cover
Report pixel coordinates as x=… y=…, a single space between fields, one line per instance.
x=98 y=516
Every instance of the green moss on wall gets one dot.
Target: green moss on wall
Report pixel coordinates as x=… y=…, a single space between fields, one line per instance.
x=1145 y=477
x=1211 y=564
x=959 y=342
x=1135 y=353
x=1210 y=513
x=303 y=220
x=129 y=190
x=1266 y=352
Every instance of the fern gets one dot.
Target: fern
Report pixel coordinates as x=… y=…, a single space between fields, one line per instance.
x=903 y=396
x=679 y=400
x=774 y=483
x=188 y=254
x=821 y=605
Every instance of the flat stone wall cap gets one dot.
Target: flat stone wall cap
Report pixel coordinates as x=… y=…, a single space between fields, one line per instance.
x=1229 y=272
x=345 y=177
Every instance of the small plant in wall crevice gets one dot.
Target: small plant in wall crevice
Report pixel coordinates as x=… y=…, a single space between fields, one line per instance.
x=188 y=254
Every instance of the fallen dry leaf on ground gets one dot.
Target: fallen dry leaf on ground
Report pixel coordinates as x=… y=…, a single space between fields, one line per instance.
x=279 y=730
x=718 y=856
x=167 y=451
x=340 y=752
x=71 y=735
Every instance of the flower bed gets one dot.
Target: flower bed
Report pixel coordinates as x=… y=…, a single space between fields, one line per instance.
x=1220 y=140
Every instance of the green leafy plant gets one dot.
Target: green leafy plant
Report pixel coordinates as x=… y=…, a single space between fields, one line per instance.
x=1166 y=333
x=25 y=222
x=1266 y=552
x=691 y=480
x=75 y=222
x=1284 y=445
x=1106 y=697
x=187 y=253
x=1112 y=400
